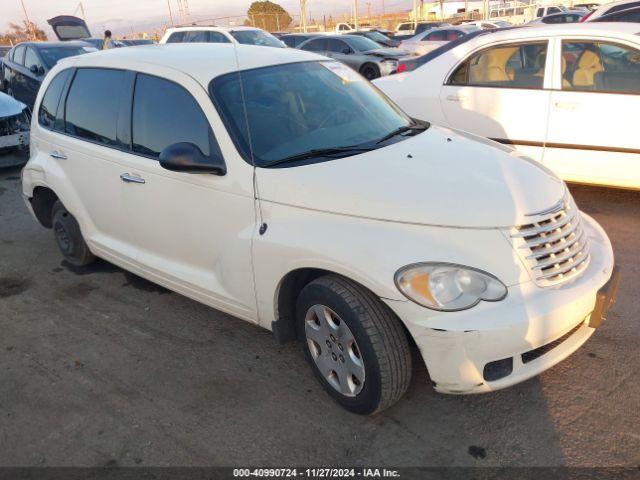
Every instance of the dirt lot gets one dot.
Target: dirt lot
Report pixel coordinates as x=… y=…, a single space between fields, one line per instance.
x=99 y=367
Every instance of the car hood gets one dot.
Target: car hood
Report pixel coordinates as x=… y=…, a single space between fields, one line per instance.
x=440 y=177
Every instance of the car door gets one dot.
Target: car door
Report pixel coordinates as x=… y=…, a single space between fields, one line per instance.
x=593 y=135
x=33 y=74
x=341 y=51
x=499 y=92
x=85 y=159
x=194 y=231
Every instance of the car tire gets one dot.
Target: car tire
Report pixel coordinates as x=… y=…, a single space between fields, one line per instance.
x=370 y=71
x=69 y=237
x=346 y=333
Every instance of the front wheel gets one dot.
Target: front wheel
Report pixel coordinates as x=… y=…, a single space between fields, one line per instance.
x=355 y=345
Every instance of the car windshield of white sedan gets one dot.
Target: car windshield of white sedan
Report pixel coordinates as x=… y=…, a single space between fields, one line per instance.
x=256 y=37
x=363 y=44
x=306 y=110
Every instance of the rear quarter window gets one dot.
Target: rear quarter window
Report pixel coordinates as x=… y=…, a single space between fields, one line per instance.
x=48 y=112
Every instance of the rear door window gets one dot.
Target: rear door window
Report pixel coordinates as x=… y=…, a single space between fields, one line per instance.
x=316 y=45
x=217 y=37
x=164 y=113
x=18 y=55
x=198 y=36
x=92 y=105
x=31 y=58
x=175 y=37
x=48 y=112
x=507 y=66
x=600 y=67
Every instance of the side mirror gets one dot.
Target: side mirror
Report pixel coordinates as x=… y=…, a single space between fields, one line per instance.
x=187 y=157
x=346 y=51
x=36 y=70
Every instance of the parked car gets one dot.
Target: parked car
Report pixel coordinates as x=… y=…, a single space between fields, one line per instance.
x=68 y=27
x=294 y=40
x=430 y=40
x=14 y=132
x=413 y=28
x=254 y=194
x=629 y=15
x=489 y=24
x=133 y=42
x=4 y=49
x=588 y=6
x=360 y=53
x=543 y=11
x=378 y=37
x=244 y=35
x=609 y=8
x=26 y=65
x=556 y=93
x=351 y=27
x=574 y=16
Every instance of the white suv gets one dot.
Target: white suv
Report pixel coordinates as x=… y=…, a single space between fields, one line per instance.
x=244 y=35
x=297 y=197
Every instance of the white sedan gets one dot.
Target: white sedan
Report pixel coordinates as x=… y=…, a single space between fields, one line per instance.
x=567 y=96
x=429 y=40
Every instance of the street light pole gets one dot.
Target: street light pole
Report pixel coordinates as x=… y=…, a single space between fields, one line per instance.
x=355 y=14
x=303 y=15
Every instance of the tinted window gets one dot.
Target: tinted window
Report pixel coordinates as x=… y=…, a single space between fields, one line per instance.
x=175 y=37
x=18 y=54
x=198 y=36
x=217 y=37
x=298 y=107
x=363 y=44
x=438 y=36
x=317 y=45
x=256 y=37
x=51 y=55
x=553 y=10
x=511 y=66
x=337 y=46
x=599 y=66
x=49 y=105
x=31 y=58
x=92 y=104
x=290 y=41
x=164 y=113
x=617 y=8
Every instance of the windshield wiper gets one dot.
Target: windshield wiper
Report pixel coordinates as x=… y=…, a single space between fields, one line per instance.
x=317 y=153
x=399 y=131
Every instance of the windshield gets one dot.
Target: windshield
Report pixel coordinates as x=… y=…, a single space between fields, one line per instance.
x=296 y=108
x=51 y=55
x=256 y=37
x=363 y=44
x=377 y=36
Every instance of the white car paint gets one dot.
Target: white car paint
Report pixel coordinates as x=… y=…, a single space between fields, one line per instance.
x=610 y=8
x=419 y=44
x=439 y=196
x=224 y=31
x=551 y=125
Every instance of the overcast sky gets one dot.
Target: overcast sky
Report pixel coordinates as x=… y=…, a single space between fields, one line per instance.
x=118 y=13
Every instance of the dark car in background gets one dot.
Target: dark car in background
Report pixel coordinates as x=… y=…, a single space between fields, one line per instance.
x=4 y=49
x=26 y=65
x=377 y=37
x=132 y=42
x=628 y=15
x=294 y=40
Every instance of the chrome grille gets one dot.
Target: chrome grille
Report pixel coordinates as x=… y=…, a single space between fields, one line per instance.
x=554 y=245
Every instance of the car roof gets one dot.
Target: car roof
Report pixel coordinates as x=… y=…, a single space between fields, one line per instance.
x=201 y=61
x=629 y=30
x=212 y=28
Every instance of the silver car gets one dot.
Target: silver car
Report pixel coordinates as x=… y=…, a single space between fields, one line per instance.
x=360 y=53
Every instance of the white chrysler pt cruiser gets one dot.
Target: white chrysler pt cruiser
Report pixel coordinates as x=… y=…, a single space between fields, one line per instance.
x=280 y=187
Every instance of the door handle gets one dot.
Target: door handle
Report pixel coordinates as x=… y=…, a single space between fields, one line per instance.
x=58 y=155
x=566 y=105
x=456 y=98
x=128 y=178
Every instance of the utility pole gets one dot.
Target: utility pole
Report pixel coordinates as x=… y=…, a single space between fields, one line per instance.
x=415 y=14
x=355 y=14
x=303 y=15
x=170 y=14
x=26 y=15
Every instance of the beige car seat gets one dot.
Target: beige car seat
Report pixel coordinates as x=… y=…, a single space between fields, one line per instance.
x=588 y=65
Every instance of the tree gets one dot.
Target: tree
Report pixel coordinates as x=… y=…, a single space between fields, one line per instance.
x=268 y=16
x=27 y=31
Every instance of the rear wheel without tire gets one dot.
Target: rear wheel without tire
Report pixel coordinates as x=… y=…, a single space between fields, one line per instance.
x=355 y=345
x=69 y=238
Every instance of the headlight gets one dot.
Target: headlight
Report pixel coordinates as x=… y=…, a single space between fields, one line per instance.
x=448 y=287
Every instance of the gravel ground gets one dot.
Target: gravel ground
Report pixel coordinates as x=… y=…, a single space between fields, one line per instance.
x=100 y=367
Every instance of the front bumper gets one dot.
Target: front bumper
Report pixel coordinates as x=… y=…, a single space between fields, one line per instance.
x=460 y=360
